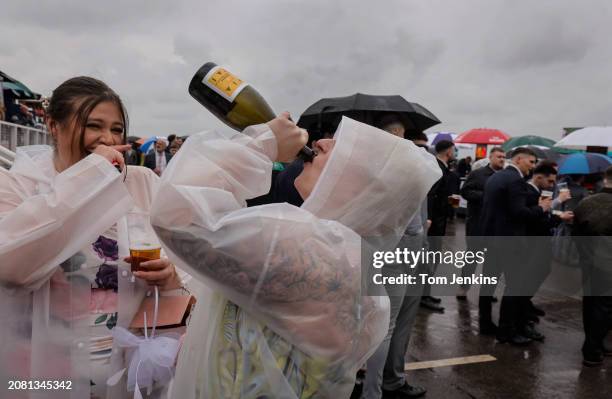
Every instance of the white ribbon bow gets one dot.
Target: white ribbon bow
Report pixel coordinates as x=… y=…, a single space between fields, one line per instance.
x=153 y=357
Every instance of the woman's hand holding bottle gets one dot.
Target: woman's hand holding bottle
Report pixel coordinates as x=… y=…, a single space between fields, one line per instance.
x=289 y=137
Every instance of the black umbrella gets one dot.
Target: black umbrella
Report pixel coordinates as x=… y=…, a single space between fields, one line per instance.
x=324 y=115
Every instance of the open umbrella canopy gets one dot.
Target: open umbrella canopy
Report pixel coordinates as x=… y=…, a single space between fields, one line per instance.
x=584 y=164
x=540 y=151
x=594 y=136
x=435 y=138
x=20 y=90
x=482 y=136
x=144 y=147
x=327 y=112
x=521 y=141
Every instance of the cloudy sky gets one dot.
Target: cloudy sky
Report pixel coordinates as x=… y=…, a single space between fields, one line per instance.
x=526 y=67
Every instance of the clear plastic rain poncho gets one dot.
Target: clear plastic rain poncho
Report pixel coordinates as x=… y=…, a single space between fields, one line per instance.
x=280 y=313
x=46 y=219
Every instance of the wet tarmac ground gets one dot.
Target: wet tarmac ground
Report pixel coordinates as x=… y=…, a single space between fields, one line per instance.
x=550 y=369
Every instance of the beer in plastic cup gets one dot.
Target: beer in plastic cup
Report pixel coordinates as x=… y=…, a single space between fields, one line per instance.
x=144 y=245
x=454 y=200
x=546 y=194
x=562 y=187
x=143 y=254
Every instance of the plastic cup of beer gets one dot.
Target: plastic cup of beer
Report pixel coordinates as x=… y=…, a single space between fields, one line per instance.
x=562 y=187
x=144 y=245
x=454 y=200
x=546 y=194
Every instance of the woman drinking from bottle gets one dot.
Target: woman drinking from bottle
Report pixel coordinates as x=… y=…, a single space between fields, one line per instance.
x=62 y=236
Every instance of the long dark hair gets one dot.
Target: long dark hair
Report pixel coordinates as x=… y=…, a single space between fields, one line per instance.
x=76 y=98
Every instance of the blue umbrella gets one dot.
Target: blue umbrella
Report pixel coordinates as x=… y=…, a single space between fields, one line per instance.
x=584 y=164
x=144 y=148
x=435 y=138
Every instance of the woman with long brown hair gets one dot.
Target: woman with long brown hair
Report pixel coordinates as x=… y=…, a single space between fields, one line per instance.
x=62 y=237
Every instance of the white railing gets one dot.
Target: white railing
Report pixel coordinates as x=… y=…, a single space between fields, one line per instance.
x=13 y=136
x=6 y=157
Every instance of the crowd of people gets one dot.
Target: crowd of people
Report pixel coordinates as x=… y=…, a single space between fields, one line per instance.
x=271 y=254
x=158 y=156
x=21 y=114
x=520 y=197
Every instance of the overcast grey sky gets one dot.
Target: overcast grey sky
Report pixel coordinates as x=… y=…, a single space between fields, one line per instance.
x=526 y=67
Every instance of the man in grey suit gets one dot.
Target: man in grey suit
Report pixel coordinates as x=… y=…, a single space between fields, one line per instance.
x=385 y=368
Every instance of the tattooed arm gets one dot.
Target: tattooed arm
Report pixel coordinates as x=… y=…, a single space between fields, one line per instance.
x=305 y=293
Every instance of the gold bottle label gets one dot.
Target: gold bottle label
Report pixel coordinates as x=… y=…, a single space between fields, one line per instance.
x=224 y=83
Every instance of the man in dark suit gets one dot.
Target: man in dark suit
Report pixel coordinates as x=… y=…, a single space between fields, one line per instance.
x=505 y=213
x=539 y=254
x=473 y=192
x=464 y=166
x=473 y=189
x=593 y=231
x=437 y=212
x=159 y=158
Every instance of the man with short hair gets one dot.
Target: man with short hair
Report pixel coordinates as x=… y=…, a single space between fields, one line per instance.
x=473 y=189
x=505 y=213
x=538 y=255
x=437 y=210
x=593 y=221
x=418 y=138
x=391 y=123
x=473 y=192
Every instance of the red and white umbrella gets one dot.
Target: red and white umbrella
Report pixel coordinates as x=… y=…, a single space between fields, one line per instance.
x=482 y=136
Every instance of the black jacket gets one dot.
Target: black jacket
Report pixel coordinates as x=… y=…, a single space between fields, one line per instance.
x=150 y=160
x=544 y=225
x=282 y=188
x=132 y=157
x=437 y=202
x=593 y=221
x=593 y=215
x=463 y=168
x=504 y=210
x=473 y=192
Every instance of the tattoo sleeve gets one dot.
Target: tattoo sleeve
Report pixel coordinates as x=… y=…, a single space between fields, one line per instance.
x=296 y=272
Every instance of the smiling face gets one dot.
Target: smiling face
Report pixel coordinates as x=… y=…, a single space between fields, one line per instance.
x=160 y=145
x=306 y=180
x=104 y=125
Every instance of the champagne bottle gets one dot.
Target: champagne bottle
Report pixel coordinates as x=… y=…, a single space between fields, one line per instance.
x=232 y=100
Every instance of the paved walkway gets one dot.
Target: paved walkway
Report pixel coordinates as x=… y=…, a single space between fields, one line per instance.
x=551 y=369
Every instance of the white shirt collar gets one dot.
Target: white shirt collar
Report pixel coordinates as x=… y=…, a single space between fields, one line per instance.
x=445 y=164
x=516 y=167
x=534 y=186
